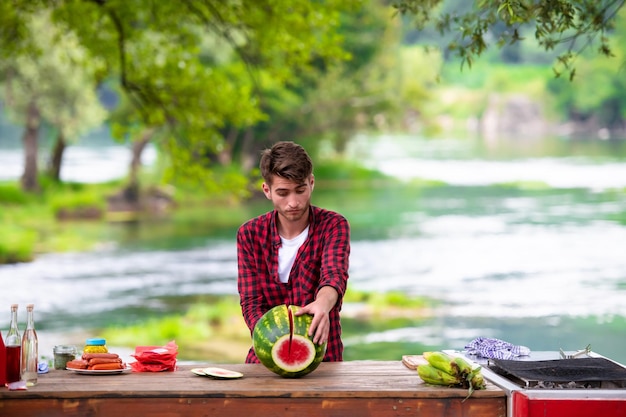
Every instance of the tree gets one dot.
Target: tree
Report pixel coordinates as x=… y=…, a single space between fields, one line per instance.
x=576 y=24
x=51 y=84
x=600 y=101
x=188 y=67
x=191 y=79
x=331 y=103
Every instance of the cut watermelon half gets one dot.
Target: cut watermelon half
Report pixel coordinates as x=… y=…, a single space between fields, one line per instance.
x=293 y=352
x=217 y=373
x=282 y=343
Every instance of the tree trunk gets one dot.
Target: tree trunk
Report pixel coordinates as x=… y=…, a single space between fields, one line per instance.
x=131 y=192
x=29 y=139
x=225 y=156
x=54 y=167
x=248 y=156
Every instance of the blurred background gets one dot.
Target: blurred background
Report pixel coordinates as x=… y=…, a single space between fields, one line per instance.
x=486 y=191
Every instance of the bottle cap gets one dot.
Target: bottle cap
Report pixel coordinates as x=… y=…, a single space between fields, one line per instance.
x=64 y=349
x=95 y=342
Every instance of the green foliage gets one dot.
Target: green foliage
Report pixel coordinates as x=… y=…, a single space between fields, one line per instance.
x=231 y=77
x=17 y=244
x=524 y=185
x=56 y=75
x=600 y=89
x=379 y=301
x=203 y=74
x=11 y=193
x=30 y=225
x=337 y=171
x=76 y=200
x=465 y=95
x=195 y=82
x=340 y=97
x=578 y=24
x=382 y=351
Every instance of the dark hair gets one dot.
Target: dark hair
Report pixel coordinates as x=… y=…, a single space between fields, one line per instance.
x=287 y=160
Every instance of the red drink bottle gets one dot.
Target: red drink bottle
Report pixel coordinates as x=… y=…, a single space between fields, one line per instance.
x=13 y=346
x=3 y=362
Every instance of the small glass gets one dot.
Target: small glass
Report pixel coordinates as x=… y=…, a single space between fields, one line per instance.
x=62 y=355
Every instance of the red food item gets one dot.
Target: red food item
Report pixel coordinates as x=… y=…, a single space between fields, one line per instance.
x=77 y=364
x=155 y=358
x=88 y=356
x=106 y=366
x=97 y=361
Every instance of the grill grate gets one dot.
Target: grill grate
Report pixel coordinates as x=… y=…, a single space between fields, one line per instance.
x=579 y=370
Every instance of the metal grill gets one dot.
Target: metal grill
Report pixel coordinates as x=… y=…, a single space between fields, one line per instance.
x=562 y=373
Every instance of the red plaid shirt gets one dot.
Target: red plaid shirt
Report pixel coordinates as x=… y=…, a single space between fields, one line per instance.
x=322 y=260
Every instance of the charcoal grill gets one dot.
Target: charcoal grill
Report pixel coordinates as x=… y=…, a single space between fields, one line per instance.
x=562 y=373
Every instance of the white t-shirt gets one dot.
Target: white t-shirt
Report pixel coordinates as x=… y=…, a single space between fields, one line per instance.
x=287 y=254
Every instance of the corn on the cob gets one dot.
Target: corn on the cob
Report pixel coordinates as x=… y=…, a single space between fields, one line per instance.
x=477 y=381
x=463 y=367
x=441 y=361
x=452 y=371
x=432 y=375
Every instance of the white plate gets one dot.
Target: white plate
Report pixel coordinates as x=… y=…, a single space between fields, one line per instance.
x=217 y=373
x=101 y=372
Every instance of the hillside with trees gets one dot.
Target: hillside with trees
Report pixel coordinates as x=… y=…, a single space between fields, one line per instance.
x=231 y=77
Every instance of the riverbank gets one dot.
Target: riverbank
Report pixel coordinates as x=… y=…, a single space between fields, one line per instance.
x=72 y=217
x=495 y=248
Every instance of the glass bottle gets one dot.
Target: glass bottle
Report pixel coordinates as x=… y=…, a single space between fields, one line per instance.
x=30 y=353
x=13 y=346
x=3 y=362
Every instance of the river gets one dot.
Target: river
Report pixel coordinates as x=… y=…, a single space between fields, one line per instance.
x=539 y=264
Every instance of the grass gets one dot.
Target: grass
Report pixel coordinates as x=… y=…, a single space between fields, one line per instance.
x=17 y=244
x=30 y=220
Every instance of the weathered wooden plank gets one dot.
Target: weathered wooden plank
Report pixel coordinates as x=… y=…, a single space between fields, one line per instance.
x=257 y=407
x=346 y=388
x=352 y=379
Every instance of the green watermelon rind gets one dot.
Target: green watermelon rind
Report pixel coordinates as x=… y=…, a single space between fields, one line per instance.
x=271 y=327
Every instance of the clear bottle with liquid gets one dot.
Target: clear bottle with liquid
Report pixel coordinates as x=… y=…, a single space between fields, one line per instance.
x=13 y=346
x=30 y=349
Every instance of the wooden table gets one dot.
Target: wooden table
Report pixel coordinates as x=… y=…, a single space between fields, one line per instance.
x=342 y=389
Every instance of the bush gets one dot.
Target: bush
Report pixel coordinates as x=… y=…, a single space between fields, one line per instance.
x=16 y=244
x=10 y=193
x=83 y=204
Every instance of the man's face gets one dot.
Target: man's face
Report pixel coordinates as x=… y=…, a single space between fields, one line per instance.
x=291 y=199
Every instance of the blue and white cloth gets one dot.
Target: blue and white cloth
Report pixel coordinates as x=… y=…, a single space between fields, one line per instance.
x=495 y=348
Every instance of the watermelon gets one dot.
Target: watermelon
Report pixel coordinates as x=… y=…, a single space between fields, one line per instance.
x=282 y=343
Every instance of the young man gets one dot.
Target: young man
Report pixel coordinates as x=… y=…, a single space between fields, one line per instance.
x=296 y=254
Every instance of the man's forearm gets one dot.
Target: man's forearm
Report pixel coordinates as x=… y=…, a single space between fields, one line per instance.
x=328 y=296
